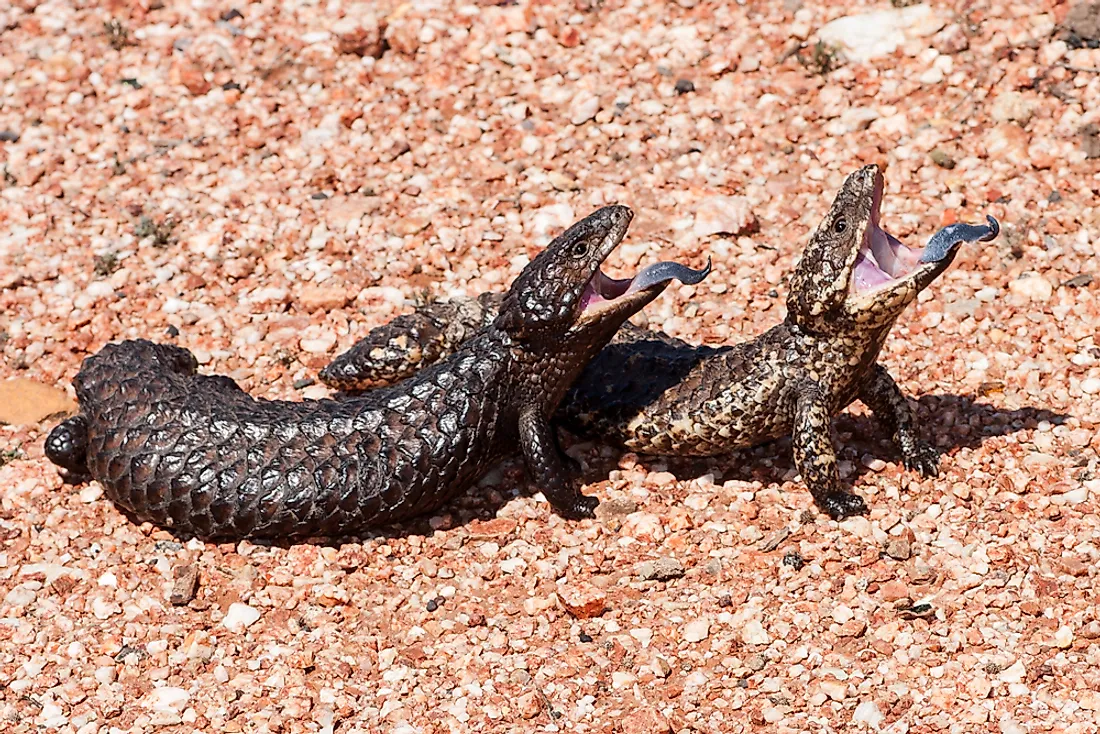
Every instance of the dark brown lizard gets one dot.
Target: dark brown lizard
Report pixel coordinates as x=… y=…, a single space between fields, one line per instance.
x=654 y=394
x=198 y=454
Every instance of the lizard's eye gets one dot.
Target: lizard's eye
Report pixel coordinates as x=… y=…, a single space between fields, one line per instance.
x=580 y=249
x=840 y=226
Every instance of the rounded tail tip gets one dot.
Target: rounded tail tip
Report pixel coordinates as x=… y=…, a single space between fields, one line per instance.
x=67 y=445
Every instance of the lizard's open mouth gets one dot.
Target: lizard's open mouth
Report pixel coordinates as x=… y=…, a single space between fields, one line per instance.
x=882 y=258
x=604 y=292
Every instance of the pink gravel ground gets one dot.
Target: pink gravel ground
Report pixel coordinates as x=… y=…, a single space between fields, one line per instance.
x=961 y=603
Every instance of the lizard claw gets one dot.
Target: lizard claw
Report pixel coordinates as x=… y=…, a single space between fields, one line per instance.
x=922 y=458
x=840 y=505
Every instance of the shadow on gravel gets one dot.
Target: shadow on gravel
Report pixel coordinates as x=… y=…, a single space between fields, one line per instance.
x=948 y=422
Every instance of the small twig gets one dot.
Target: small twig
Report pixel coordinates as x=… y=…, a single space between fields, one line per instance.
x=1084 y=69
x=970 y=93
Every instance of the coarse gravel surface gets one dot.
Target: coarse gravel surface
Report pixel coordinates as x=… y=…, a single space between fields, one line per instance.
x=264 y=182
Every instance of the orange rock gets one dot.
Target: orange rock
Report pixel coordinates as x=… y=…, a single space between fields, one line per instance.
x=24 y=401
x=323 y=297
x=569 y=37
x=528 y=705
x=645 y=721
x=894 y=591
x=360 y=32
x=582 y=600
x=495 y=528
x=186 y=72
x=403 y=34
x=853 y=628
x=1007 y=141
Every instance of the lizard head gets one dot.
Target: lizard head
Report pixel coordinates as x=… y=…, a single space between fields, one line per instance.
x=563 y=294
x=853 y=274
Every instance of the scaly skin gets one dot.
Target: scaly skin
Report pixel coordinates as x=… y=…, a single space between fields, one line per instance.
x=199 y=455
x=654 y=394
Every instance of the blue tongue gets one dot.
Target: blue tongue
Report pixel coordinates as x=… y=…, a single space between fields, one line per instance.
x=947 y=238
x=663 y=271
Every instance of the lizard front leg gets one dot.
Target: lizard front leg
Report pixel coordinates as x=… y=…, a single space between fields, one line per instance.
x=547 y=466
x=815 y=458
x=883 y=396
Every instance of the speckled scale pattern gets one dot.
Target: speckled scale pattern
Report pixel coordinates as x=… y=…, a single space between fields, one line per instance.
x=199 y=455
x=655 y=394
x=398 y=349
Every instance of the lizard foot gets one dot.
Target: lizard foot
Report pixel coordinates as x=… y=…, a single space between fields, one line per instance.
x=922 y=458
x=840 y=505
x=579 y=508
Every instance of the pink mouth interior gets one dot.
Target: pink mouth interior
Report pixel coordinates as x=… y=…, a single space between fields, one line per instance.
x=882 y=258
x=603 y=288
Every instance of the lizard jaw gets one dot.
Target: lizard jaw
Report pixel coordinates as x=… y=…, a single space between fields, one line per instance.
x=603 y=293
x=884 y=261
x=882 y=258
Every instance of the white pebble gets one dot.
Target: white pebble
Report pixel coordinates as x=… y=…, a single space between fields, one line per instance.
x=584 y=107
x=843 y=613
x=619 y=679
x=753 y=633
x=834 y=689
x=167 y=698
x=270 y=295
x=551 y=219
x=240 y=617
x=1013 y=673
x=52 y=716
x=697 y=631
x=1072 y=497
x=867 y=713
x=320 y=345
x=723 y=215
x=512 y=565
x=99 y=288
x=103 y=609
x=175 y=305
x=20 y=596
x=91 y=493
x=1032 y=287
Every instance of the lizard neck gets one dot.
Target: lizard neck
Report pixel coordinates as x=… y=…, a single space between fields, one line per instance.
x=840 y=357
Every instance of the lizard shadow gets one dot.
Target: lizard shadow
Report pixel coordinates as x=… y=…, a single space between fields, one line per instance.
x=949 y=422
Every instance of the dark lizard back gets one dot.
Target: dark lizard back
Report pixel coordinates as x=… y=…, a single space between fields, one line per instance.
x=199 y=455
